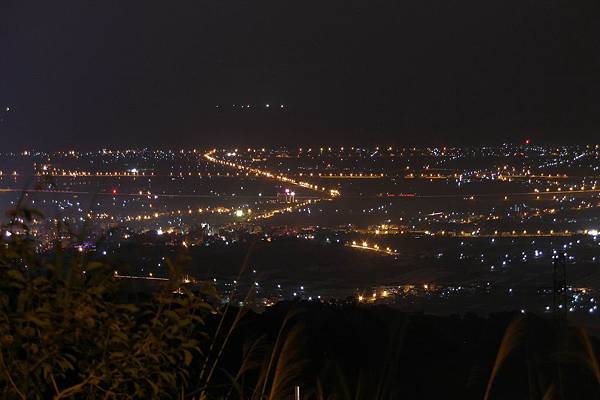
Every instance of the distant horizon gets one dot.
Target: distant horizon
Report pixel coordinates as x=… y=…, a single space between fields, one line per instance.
x=306 y=145
x=120 y=73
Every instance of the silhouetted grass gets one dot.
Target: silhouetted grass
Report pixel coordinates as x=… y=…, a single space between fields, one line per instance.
x=65 y=333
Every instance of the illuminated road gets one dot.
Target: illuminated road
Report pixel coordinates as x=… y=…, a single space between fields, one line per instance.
x=487 y=195
x=278 y=177
x=347 y=176
x=374 y=248
x=145 y=278
x=188 y=195
x=287 y=208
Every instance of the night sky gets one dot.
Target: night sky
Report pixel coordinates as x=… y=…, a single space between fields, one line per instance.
x=89 y=74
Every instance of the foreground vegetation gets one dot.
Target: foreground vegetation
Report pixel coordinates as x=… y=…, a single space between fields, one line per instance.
x=68 y=329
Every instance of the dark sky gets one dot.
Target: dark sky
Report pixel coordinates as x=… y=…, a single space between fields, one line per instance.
x=133 y=73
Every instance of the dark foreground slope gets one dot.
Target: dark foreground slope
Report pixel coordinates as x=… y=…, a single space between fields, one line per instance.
x=380 y=353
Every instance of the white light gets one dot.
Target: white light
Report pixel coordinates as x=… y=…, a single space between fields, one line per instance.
x=593 y=232
x=239 y=213
x=159 y=232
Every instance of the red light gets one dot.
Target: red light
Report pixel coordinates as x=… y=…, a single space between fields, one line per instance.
x=114 y=191
x=527 y=141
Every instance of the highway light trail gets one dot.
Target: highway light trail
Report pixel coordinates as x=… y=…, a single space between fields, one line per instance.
x=184 y=195
x=279 y=177
x=288 y=208
x=474 y=196
x=375 y=248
